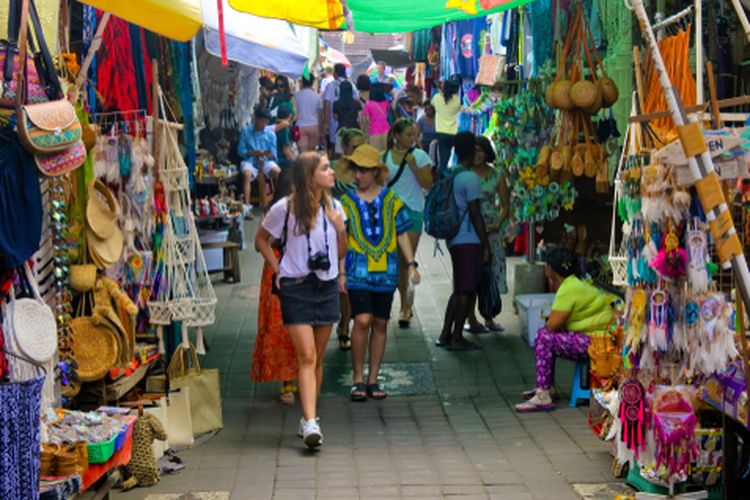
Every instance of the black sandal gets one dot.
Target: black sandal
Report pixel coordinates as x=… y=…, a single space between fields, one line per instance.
x=345 y=342
x=372 y=389
x=358 y=392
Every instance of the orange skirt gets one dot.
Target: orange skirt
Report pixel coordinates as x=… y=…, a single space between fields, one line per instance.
x=274 y=356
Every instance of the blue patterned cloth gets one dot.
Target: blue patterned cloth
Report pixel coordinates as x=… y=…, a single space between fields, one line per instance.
x=373 y=227
x=19 y=438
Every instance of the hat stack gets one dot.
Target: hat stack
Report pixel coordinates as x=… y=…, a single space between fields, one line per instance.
x=104 y=237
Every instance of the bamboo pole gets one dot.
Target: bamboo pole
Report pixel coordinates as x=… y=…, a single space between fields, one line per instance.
x=715 y=114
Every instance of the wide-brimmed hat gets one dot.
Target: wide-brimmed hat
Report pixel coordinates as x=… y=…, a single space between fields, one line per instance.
x=105 y=252
x=366 y=156
x=102 y=210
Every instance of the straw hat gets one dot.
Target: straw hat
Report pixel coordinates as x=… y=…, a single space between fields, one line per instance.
x=105 y=252
x=94 y=348
x=366 y=156
x=100 y=215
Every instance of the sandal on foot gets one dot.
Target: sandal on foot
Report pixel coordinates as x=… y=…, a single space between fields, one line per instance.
x=358 y=393
x=345 y=342
x=494 y=327
x=476 y=329
x=375 y=392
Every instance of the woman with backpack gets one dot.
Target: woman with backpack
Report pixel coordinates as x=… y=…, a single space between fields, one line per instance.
x=347 y=108
x=376 y=118
x=378 y=222
x=495 y=205
x=312 y=228
x=409 y=175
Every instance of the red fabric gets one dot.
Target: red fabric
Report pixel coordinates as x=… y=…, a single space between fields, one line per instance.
x=149 y=75
x=116 y=73
x=274 y=356
x=6 y=281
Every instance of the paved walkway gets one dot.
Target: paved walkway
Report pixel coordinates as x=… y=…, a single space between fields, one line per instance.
x=447 y=429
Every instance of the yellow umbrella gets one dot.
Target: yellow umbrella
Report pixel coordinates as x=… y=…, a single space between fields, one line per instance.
x=176 y=19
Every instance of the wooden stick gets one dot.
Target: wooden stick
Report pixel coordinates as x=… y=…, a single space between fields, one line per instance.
x=724 y=103
x=638 y=77
x=95 y=44
x=155 y=106
x=715 y=114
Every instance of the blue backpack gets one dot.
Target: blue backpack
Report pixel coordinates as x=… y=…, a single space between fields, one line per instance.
x=442 y=219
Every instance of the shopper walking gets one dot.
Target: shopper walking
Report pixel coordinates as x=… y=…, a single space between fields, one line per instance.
x=378 y=224
x=469 y=249
x=375 y=116
x=350 y=139
x=447 y=106
x=330 y=96
x=311 y=226
x=282 y=98
x=410 y=174
x=426 y=124
x=347 y=108
x=495 y=205
x=274 y=356
x=309 y=116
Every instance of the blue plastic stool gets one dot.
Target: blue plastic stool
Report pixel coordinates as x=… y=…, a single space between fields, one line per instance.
x=580 y=377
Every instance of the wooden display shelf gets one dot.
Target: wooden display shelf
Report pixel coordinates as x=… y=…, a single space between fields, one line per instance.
x=123 y=385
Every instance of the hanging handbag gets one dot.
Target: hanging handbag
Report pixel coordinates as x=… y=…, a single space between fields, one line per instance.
x=35 y=327
x=50 y=130
x=36 y=89
x=205 y=392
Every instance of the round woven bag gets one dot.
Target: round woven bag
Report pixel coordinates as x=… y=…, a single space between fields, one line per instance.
x=35 y=329
x=609 y=91
x=596 y=105
x=561 y=94
x=583 y=93
x=576 y=164
x=94 y=348
x=549 y=95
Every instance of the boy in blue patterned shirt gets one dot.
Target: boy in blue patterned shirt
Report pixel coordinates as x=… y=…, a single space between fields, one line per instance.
x=377 y=227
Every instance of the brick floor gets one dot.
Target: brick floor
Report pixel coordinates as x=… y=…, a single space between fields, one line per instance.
x=453 y=434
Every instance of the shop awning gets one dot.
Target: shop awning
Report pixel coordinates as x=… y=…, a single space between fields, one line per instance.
x=399 y=16
x=321 y=14
x=259 y=42
x=176 y=19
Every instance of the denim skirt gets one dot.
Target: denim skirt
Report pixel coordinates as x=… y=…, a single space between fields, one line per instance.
x=309 y=301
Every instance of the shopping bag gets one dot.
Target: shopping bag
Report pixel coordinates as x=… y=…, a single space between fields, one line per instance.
x=490 y=302
x=179 y=424
x=205 y=390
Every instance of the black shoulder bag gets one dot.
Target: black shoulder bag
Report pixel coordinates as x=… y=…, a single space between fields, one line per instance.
x=282 y=249
x=401 y=168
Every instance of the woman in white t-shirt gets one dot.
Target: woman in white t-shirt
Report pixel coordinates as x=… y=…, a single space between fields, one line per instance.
x=311 y=227
x=410 y=175
x=447 y=106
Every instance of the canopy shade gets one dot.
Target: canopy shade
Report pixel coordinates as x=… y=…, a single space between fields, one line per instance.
x=258 y=42
x=321 y=14
x=175 y=19
x=398 y=16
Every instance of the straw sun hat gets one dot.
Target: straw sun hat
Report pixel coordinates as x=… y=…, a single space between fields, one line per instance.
x=366 y=156
x=104 y=237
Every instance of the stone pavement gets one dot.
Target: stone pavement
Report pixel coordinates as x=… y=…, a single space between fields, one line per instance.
x=446 y=430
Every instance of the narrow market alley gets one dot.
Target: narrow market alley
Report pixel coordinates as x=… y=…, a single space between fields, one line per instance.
x=447 y=429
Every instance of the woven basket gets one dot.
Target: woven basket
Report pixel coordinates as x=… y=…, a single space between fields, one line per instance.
x=583 y=93
x=94 y=348
x=174 y=179
x=159 y=313
x=576 y=164
x=609 y=91
x=549 y=95
x=82 y=277
x=561 y=94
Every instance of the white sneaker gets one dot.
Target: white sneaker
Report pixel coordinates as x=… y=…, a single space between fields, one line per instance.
x=311 y=434
x=301 y=428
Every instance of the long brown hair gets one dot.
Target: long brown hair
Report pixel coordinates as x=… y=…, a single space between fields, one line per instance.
x=303 y=204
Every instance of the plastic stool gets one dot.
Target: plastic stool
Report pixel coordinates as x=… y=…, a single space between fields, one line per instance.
x=580 y=376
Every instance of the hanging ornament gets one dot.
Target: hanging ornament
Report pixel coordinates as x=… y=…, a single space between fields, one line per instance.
x=671 y=261
x=660 y=320
x=697 y=245
x=632 y=418
x=674 y=430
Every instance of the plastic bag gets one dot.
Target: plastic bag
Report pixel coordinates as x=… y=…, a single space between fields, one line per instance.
x=489 y=299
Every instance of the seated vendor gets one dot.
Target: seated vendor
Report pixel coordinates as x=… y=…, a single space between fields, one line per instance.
x=579 y=310
x=257 y=150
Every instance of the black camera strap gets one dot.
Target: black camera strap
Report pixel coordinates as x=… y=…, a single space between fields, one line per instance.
x=325 y=233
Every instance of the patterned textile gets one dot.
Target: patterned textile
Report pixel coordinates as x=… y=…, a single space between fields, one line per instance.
x=490 y=206
x=274 y=357
x=19 y=438
x=549 y=345
x=372 y=260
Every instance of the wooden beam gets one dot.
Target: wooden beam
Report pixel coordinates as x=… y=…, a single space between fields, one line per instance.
x=713 y=99
x=724 y=103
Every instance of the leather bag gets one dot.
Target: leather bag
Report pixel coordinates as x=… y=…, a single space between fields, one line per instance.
x=49 y=127
x=205 y=392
